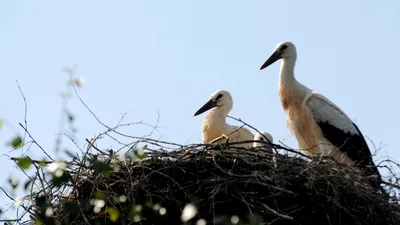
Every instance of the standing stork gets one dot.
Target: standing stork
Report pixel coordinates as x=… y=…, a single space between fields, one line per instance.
x=318 y=124
x=214 y=123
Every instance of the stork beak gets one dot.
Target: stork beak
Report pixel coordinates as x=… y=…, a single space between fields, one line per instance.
x=273 y=58
x=209 y=105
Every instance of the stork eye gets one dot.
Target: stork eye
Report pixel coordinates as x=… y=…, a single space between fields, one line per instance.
x=283 y=48
x=262 y=139
x=219 y=96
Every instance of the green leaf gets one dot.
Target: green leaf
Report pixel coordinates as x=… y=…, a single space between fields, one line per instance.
x=102 y=168
x=16 y=142
x=113 y=213
x=42 y=163
x=71 y=207
x=1 y=124
x=149 y=204
x=100 y=195
x=38 y=222
x=60 y=181
x=24 y=162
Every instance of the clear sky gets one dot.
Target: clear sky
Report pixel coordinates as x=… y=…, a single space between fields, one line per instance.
x=141 y=57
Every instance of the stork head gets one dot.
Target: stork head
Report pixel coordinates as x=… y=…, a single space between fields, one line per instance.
x=283 y=50
x=262 y=136
x=220 y=99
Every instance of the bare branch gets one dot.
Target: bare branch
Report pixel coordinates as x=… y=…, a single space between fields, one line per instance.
x=34 y=141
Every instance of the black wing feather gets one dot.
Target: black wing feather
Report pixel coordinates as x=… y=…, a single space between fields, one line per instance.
x=353 y=145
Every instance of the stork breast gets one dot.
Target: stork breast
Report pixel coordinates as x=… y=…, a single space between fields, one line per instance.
x=304 y=128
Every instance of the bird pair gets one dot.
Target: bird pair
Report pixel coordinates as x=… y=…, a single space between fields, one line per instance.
x=320 y=127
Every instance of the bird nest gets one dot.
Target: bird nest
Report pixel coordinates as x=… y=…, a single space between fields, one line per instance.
x=201 y=184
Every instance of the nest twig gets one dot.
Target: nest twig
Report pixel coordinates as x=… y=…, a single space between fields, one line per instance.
x=221 y=181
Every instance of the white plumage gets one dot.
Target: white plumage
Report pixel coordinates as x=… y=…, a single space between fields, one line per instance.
x=264 y=137
x=318 y=124
x=267 y=139
x=214 y=123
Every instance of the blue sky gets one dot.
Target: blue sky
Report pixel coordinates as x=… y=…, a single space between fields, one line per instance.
x=141 y=57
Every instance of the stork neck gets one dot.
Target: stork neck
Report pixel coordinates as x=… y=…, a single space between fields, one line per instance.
x=287 y=71
x=291 y=92
x=218 y=116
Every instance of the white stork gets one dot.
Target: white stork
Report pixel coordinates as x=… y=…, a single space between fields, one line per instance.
x=318 y=124
x=214 y=124
x=264 y=137
x=267 y=139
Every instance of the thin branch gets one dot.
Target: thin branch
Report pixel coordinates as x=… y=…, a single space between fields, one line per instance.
x=25 y=110
x=36 y=142
x=9 y=196
x=84 y=104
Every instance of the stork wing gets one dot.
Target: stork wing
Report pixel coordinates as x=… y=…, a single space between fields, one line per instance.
x=338 y=129
x=247 y=131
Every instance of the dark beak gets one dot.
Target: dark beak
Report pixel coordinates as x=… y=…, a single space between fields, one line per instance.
x=209 y=105
x=273 y=58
